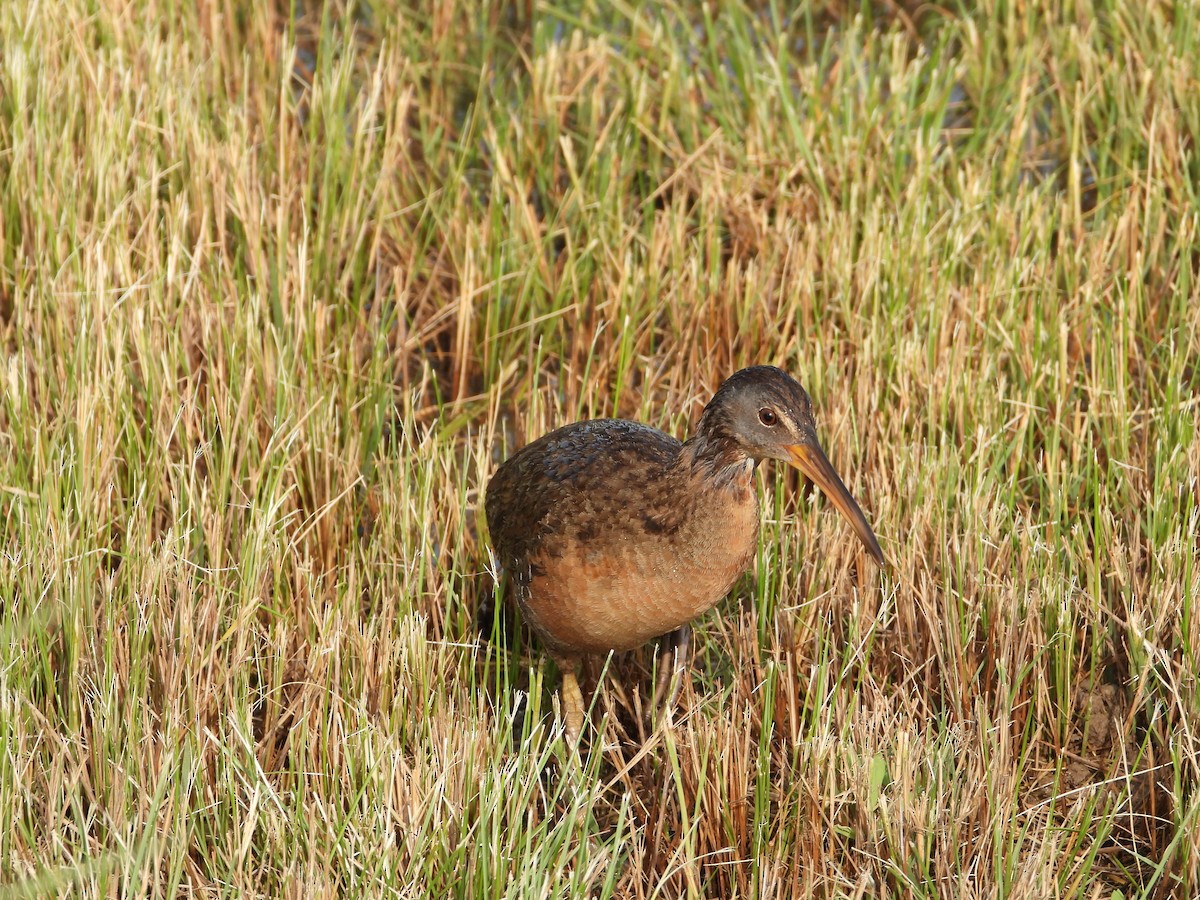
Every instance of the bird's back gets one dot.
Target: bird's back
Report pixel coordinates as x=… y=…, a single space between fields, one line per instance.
x=572 y=483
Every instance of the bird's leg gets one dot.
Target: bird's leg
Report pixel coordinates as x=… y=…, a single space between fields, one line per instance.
x=670 y=672
x=572 y=699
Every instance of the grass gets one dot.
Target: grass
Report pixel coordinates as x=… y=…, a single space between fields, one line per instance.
x=280 y=287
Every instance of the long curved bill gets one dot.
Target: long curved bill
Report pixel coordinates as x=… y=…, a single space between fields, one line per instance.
x=810 y=459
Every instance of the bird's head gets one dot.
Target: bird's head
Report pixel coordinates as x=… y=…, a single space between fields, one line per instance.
x=764 y=413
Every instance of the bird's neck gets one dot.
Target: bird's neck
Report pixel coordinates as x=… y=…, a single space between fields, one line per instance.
x=717 y=459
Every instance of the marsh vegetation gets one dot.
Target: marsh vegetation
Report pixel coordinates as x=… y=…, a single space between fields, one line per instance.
x=280 y=287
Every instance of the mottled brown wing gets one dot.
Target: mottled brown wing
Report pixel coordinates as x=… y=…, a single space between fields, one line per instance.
x=578 y=483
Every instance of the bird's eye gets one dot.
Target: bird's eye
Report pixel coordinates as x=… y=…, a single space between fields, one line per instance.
x=767 y=416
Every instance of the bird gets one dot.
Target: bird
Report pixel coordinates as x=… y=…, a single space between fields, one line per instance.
x=615 y=533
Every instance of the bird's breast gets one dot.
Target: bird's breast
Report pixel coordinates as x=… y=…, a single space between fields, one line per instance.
x=616 y=587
